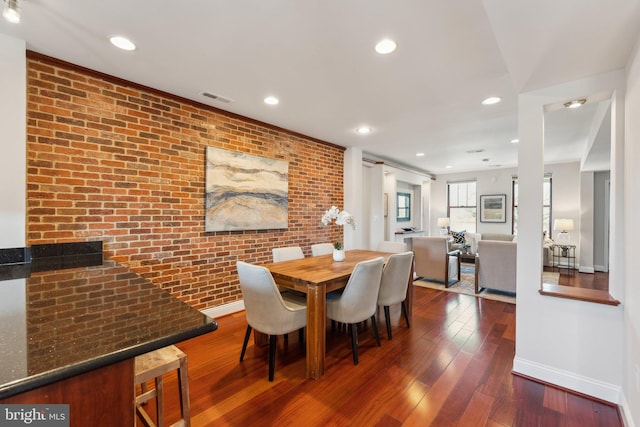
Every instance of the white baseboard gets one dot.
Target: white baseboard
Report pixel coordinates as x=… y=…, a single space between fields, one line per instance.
x=589 y=270
x=569 y=380
x=600 y=268
x=626 y=412
x=224 y=309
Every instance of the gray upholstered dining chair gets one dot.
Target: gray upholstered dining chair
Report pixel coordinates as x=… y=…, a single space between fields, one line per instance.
x=393 y=286
x=358 y=301
x=389 y=246
x=321 y=249
x=287 y=253
x=267 y=310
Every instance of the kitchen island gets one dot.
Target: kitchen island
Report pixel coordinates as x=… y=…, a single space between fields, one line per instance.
x=72 y=326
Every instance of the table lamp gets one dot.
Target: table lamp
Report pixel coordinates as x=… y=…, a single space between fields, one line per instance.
x=443 y=223
x=564 y=225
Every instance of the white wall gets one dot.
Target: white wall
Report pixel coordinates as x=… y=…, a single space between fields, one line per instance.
x=632 y=228
x=601 y=221
x=495 y=181
x=13 y=122
x=565 y=198
x=573 y=344
x=585 y=230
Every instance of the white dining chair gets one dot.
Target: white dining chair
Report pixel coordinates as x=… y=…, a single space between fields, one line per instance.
x=389 y=246
x=358 y=302
x=393 y=286
x=287 y=253
x=267 y=310
x=321 y=249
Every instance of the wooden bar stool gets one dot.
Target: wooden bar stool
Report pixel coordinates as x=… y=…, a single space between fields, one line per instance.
x=154 y=365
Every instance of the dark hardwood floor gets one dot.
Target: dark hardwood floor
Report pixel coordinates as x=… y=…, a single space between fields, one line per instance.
x=597 y=280
x=451 y=368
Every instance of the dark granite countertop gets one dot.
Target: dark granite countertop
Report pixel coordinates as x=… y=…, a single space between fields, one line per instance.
x=64 y=314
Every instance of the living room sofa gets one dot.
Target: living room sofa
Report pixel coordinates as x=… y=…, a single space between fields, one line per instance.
x=472 y=239
x=496 y=265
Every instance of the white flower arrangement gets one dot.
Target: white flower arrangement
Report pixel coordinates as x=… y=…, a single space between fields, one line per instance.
x=341 y=218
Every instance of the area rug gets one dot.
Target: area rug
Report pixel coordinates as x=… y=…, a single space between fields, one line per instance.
x=466 y=285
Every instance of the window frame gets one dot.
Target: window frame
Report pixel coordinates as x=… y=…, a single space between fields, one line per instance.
x=514 y=205
x=407 y=197
x=474 y=206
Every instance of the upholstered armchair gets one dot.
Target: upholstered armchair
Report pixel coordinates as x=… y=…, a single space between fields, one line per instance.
x=496 y=265
x=434 y=261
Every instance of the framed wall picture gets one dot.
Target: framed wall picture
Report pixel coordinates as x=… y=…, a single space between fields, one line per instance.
x=493 y=208
x=245 y=192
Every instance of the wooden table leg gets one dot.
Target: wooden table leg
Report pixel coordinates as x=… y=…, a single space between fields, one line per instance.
x=316 y=331
x=260 y=339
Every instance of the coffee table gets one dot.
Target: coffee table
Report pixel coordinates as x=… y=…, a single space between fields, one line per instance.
x=470 y=258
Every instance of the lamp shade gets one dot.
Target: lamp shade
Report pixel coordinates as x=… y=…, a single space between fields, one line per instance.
x=563 y=224
x=443 y=222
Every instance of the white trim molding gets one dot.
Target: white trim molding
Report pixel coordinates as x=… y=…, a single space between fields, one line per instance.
x=625 y=411
x=224 y=309
x=569 y=380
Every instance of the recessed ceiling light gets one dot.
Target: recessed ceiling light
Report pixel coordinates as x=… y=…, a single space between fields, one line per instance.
x=385 y=46
x=363 y=130
x=575 y=103
x=514 y=141
x=122 y=43
x=448 y=167
x=491 y=100
x=271 y=100
x=419 y=154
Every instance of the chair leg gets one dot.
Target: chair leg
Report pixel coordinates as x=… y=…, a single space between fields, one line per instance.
x=272 y=356
x=405 y=313
x=246 y=341
x=375 y=329
x=160 y=401
x=354 y=342
x=388 y=321
x=301 y=337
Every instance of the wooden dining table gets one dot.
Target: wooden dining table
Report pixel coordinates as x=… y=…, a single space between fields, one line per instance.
x=316 y=276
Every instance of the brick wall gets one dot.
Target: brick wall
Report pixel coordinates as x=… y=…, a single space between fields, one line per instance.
x=109 y=160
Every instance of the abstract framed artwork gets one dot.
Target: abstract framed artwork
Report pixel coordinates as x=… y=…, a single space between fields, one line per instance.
x=493 y=208
x=245 y=192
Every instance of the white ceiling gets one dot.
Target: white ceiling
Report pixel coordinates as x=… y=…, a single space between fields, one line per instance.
x=317 y=57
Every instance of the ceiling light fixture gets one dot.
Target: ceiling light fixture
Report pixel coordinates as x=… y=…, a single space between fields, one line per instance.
x=363 y=130
x=491 y=100
x=271 y=100
x=448 y=167
x=514 y=141
x=11 y=11
x=385 y=46
x=122 y=43
x=575 y=103
x=419 y=154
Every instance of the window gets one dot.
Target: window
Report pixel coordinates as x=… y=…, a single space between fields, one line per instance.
x=403 y=207
x=461 y=208
x=546 y=206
